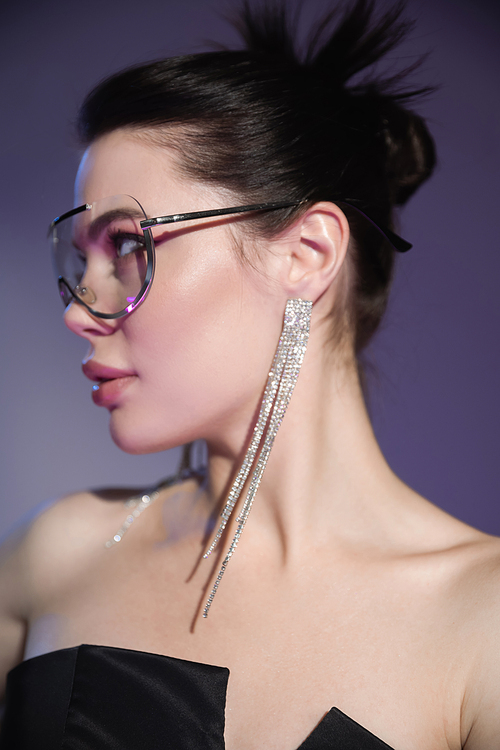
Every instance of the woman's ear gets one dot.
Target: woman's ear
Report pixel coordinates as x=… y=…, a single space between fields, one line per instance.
x=314 y=249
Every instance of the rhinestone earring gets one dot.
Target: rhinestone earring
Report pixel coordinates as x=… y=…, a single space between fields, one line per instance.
x=279 y=388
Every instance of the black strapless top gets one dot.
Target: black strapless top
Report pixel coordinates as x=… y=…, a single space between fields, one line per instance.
x=103 y=698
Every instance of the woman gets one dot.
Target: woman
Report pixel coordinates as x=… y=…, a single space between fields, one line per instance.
x=242 y=327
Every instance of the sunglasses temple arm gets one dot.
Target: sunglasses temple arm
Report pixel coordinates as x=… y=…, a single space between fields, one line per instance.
x=397 y=242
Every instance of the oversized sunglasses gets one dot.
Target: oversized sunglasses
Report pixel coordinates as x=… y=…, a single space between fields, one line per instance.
x=104 y=252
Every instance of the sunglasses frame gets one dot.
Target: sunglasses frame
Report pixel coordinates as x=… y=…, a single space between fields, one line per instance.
x=397 y=242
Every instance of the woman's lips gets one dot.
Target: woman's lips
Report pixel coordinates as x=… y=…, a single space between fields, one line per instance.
x=109 y=382
x=107 y=392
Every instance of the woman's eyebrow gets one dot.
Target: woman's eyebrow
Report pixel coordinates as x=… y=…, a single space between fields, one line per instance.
x=97 y=225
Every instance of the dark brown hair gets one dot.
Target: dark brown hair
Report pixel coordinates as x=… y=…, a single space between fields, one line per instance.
x=271 y=125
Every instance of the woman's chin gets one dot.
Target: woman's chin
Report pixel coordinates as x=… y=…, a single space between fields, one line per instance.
x=138 y=440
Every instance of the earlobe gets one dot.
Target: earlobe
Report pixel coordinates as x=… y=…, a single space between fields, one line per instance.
x=317 y=249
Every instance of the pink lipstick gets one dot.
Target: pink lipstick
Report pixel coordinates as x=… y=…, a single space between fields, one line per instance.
x=110 y=382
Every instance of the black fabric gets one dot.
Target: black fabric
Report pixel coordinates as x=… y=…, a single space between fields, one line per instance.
x=103 y=698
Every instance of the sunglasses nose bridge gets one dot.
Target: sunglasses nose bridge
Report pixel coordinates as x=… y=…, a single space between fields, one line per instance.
x=92 y=284
x=68 y=293
x=85 y=293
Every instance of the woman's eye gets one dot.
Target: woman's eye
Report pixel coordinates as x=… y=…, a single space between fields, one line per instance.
x=127 y=244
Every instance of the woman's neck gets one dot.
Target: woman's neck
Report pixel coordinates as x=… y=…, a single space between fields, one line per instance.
x=326 y=477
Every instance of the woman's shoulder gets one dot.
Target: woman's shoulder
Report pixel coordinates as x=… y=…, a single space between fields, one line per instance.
x=64 y=533
x=449 y=549
x=61 y=537
x=75 y=521
x=464 y=562
x=43 y=552
x=477 y=581
x=474 y=606
x=59 y=533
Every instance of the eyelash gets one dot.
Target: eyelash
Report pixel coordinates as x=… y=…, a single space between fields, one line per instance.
x=116 y=236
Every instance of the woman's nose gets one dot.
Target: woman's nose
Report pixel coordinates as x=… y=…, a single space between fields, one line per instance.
x=80 y=321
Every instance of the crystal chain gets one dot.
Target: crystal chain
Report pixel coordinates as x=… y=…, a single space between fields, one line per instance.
x=139 y=503
x=278 y=392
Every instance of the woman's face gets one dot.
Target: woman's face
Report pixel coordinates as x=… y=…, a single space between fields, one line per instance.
x=196 y=353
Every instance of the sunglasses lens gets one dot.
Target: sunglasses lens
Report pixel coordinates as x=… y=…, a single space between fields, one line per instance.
x=100 y=255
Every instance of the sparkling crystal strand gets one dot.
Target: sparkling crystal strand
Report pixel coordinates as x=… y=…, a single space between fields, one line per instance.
x=283 y=398
x=256 y=438
x=267 y=401
x=291 y=349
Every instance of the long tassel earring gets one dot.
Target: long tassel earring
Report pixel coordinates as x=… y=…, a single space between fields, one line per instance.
x=278 y=392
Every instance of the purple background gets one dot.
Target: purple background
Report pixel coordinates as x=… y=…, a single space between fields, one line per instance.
x=434 y=392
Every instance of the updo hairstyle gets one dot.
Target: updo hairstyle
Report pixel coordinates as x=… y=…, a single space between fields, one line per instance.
x=271 y=124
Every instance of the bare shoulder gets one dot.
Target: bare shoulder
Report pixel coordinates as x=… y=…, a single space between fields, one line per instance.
x=457 y=569
x=75 y=522
x=467 y=562
x=477 y=582
x=68 y=534
x=475 y=597
x=44 y=551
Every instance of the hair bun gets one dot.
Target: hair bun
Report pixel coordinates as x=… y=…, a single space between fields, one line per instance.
x=410 y=152
x=345 y=43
